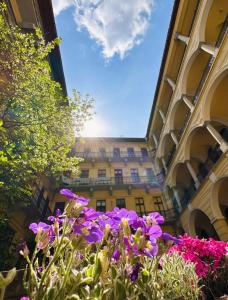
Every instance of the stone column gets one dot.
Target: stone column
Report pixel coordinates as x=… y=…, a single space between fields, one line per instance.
x=209 y=49
x=162 y=115
x=177 y=197
x=193 y=174
x=170 y=82
x=155 y=139
x=163 y=163
x=182 y=38
x=216 y=135
x=221 y=227
x=173 y=135
x=188 y=103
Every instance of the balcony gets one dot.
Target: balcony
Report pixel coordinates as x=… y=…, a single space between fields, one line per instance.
x=111 y=182
x=110 y=157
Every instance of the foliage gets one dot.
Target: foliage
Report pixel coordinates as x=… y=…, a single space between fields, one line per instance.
x=8 y=255
x=37 y=121
x=209 y=257
x=84 y=254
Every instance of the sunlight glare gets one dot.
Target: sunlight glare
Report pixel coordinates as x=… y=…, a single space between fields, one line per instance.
x=94 y=128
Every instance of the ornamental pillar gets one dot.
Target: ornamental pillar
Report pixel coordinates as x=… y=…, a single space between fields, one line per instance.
x=221 y=227
x=164 y=164
x=188 y=103
x=170 y=82
x=162 y=115
x=182 y=38
x=173 y=135
x=193 y=174
x=177 y=197
x=209 y=49
x=155 y=139
x=216 y=135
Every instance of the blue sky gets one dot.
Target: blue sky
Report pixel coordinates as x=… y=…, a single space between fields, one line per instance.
x=114 y=58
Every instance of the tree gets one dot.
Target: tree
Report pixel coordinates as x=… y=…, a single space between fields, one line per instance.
x=38 y=123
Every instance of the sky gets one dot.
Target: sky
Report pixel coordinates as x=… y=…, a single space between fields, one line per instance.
x=112 y=50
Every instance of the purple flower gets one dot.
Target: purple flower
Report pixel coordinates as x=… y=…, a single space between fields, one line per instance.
x=135 y=272
x=89 y=214
x=40 y=226
x=71 y=196
x=24 y=298
x=95 y=235
x=168 y=237
x=68 y=194
x=116 y=255
x=152 y=250
x=156 y=218
x=155 y=231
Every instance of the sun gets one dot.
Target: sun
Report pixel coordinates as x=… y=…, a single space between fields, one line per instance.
x=94 y=128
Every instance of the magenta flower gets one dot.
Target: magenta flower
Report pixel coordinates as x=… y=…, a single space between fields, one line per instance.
x=42 y=226
x=24 y=298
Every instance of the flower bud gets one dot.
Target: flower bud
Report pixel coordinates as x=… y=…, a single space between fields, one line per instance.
x=126 y=227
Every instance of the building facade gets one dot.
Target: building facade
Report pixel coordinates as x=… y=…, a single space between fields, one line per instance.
x=116 y=172
x=188 y=126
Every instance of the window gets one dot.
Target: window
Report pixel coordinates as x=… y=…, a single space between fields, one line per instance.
x=158 y=204
x=120 y=203
x=140 y=207
x=101 y=173
x=118 y=176
x=84 y=173
x=60 y=206
x=87 y=152
x=130 y=152
x=149 y=174
x=116 y=152
x=102 y=152
x=101 y=205
x=144 y=152
x=134 y=175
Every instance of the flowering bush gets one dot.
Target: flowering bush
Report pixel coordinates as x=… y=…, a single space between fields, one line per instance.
x=209 y=258
x=207 y=255
x=84 y=254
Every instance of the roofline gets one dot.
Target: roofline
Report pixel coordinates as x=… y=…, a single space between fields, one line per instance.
x=50 y=33
x=164 y=57
x=115 y=139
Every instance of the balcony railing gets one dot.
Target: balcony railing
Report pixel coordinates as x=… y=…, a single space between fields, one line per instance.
x=110 y=156
x=111 y=181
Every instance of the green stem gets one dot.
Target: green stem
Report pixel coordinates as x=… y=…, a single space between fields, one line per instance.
x=2 y=291
x=66 y=274
x=55 y=257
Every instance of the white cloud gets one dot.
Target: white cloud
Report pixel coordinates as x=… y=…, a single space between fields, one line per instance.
x=59 y=5
x=116 y=25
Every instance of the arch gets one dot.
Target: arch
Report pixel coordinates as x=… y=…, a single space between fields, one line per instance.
x=216 y=17
x=179 y=117
x=215 y=104
x=200 y=225
x=184 y=183
x=194 y=72
x=202 y=150
x=219 y=199
x=168 y=147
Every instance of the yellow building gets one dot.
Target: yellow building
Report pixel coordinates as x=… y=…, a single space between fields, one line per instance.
x=116 y=172
x=188 y=127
